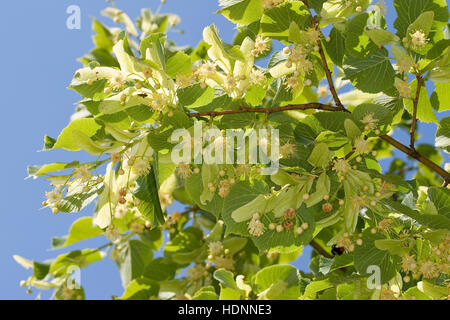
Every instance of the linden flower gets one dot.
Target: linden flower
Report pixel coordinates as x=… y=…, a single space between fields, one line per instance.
x=358 y=202
x=82 y=173
x=409 y=263
x=404 y=66
x=385 y=225
x=196 y=273
x=184 y=170
x=362 y=146
x=117 y=81
x=215 y=248
x=387 y=294
x=207 y=70
x=256 y=227
x=257 y=77
x=345 y=243
x=322 y=92
x=230 y=83
x=418 y=39
x=269 y=4
x=184 y=80
x=111 y=233
x=53 y=197
x=292 y=83
x=174 y=20
x=342 y=166
x=159 y=102
x=369 y=121
x=313 y=35
x=297 y=56
x=224 y=262
x=287 y=150
x=429 y=270
x=137 y=227
x=141 y=167
x=175 y=217
x=120 y=212
x=403 y=88
x=261 y=45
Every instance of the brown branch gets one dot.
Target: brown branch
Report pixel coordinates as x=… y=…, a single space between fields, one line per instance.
x=328 y=74
x=193 y=209
x=412 y=132
x=320 y=250
x=318 y=106
x=416 y=155
x=308 y=106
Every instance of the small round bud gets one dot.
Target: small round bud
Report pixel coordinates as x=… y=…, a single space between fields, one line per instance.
x=99 y=179
x=90 y=82
x=341 y=202
x=121 y=172
x=210 y=257
x=373 y=230
x=299 y=230
x=23 y=283
x=227 y=251
x=374 y=153
x=327 y=207
x=122 y=200
x=305 y=196
x=287 y=50
x=44 y=204
x=221 y=173
x=305 y=225
x=107 y=90
x=148 y=224
x=116 y=157
x=147 y=73
x=256 y=216
x=55 y=210
x=328 y=39
x=170 y=114
x=373 y=203
x=196 y=170
x=326 y=197
x=272 y=226
x=279 y=228
x=138 y=85
x=359 y=242
x=29 y=291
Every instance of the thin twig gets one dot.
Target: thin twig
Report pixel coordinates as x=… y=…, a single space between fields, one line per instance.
x=320 y=250
x=193 y=209
x=324 y=60
x=412 y=132
x=318 y=106
x=308 y=106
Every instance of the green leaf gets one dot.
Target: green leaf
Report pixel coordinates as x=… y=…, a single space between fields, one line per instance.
x=320 y=156
x=67 y=138
x=275 y=23
x=35 y=171
x=441 y=97
x=205 y=293
x=228 y=287
x=241 y=12
x=133 y=260
x=433 y=221
x=103 y=38
x=373 y=74
x=357 y=42
x=443 y=134
x=153 y=45
x=183 y=248
x=277 y=282
x=380 y=113
x=77 y=199
x=441 y=200
x=160 y=269
x=195 y=96
x=78 y=258
x=141 y=289
x=179 y=63
x=369 y=255
x=40 y=270
x=425 y=112
x=90 y=90
x=81 y=229
x=336 y=47
x=408 y=12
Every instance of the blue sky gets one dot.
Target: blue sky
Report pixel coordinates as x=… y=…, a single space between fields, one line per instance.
x=38 y=59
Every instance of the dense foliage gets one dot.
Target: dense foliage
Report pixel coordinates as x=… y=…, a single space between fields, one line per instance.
x=335 y=93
